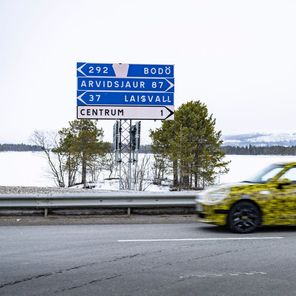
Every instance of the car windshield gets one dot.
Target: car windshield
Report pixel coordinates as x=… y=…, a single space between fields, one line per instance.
x=266 y=174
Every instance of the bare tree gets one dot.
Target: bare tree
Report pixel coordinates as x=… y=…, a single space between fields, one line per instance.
x=110 y=164
x=142 y=172
x=49 y=141
x=161 y=166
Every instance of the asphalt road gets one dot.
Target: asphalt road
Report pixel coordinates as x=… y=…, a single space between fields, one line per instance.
x=146 y=259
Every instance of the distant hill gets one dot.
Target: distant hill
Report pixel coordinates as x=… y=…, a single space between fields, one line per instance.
x=260 y=139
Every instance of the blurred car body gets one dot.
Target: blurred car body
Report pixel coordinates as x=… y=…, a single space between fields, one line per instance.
x=269 y=198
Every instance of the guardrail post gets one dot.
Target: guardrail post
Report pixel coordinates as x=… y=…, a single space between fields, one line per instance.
x=45 y=212
x=129 y=211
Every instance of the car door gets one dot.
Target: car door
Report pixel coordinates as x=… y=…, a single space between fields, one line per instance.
x=286 y=196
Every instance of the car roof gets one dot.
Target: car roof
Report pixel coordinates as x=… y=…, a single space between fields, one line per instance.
x=286 y=163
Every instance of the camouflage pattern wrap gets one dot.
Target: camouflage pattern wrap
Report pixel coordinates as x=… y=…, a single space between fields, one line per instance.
x=276 y=203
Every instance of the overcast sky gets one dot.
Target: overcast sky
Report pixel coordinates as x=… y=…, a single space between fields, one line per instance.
x=238 y=57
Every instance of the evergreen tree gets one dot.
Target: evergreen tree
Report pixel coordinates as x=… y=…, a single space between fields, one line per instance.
x=192 y=145
x=81 y=142
x=160 y=149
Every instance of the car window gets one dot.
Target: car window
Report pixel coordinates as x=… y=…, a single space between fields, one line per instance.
x=271 y=174
x=290 y=175
x=266 y=174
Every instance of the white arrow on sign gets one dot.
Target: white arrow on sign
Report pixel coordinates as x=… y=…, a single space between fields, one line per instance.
x=126 y=112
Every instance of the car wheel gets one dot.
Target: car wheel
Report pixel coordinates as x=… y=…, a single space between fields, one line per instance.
x=244 y=217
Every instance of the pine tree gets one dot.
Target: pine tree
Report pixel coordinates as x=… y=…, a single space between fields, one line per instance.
x=81 y=142
x=192 y=145
x=160 y=150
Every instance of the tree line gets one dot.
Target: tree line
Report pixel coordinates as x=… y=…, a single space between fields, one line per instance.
x=36 y=148
x=260 y=150
x=19 y=147
x=189 y=148
x=147 y=149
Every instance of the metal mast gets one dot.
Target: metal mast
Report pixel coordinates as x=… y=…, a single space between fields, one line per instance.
x=126 y=139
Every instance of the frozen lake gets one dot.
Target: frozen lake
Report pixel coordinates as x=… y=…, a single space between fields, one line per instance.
x=31 y=168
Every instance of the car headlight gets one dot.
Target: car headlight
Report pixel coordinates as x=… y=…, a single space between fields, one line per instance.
x=216 y=196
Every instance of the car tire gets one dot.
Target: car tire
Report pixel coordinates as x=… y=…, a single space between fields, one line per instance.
x=244 y=217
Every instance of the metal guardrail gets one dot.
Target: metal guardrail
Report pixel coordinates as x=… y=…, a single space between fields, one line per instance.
x=128 y=200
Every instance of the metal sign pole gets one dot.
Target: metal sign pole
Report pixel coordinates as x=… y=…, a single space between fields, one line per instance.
x=130 y=157
x=124 y=152
x=119 y=152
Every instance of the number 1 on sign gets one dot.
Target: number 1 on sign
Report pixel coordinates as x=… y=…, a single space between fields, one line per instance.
x=161 y=112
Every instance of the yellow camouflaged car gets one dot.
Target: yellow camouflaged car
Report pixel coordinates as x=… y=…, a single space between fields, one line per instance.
x=269 y=198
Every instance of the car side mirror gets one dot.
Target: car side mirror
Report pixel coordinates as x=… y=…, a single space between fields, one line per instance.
x=281 y=183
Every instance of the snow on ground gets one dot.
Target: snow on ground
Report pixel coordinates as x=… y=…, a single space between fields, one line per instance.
x=24 y=169
x=31 y=169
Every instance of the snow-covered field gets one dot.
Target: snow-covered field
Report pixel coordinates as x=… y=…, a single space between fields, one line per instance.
x=244 y=166
x=24 y=169
x=31 y=169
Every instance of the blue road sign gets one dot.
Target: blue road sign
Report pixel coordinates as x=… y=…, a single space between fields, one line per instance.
x=124 y=70
x=125 y=91
x=126 y=84
x=88 y=98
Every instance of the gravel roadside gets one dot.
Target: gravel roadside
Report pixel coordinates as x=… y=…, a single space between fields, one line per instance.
x=101 y=219
x=42 y=190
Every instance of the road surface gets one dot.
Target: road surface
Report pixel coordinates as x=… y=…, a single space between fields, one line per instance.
x=146 y=259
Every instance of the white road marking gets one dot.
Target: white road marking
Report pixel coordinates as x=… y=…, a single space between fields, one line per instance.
x=207 y=275
x=199 y=239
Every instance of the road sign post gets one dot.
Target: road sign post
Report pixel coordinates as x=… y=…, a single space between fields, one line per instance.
x=125 y=92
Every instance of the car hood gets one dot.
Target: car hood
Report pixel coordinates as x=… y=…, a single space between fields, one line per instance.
x=227 y=186
x=202 y=195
